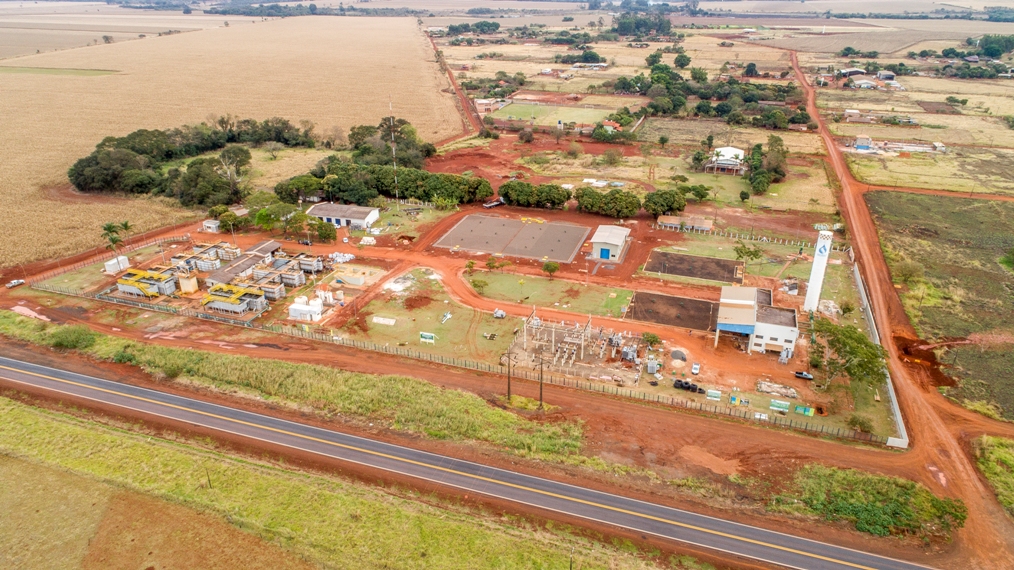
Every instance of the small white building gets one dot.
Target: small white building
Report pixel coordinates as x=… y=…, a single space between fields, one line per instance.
x=727 y=160
x=345 y=214
x=864 y=84
x=609 y=242
x=885 y=75
x=210 y=226
x=306 y=310
x=747 y=311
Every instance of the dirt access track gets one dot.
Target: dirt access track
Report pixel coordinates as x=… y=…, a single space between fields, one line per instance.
x=941 y=444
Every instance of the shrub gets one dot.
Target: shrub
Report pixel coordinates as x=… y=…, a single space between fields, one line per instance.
x=526 y=136
x=860 y=423
x=74 y=337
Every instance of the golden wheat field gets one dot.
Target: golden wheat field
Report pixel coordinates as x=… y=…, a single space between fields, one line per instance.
x=332 y=71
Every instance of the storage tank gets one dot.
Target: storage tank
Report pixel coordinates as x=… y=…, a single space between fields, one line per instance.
x=301 y=300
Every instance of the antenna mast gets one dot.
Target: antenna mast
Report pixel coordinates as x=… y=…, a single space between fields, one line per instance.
x=394 y=156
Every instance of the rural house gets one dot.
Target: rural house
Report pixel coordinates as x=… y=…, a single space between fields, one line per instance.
x=345 y=214
x=727 y=160
x=609 y=242
x=863 y=142
x=885 y=75
x=850 y=71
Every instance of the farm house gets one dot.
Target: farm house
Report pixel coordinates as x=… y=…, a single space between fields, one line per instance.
x=608 y=242
x=727 y=160
x=352 y=216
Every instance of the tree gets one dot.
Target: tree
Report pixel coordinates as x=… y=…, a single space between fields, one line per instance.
x=110 y=229
x=217 y=211
x=908 y=271
x=491 y=263
x=744 y=195
x=479 y=285
x=654 y=58
x=503 y=265
x=698 y=75
x=751 y=70
x=125 y=228
x=295 y=222
x=273 y=148
x=526 y=136
x=851 y=353
x=550 y=267
x=470 y=266
x=557 y=133
x=682 y=61
x=747 y=253
x=107 y=39
x=302 y=187
x=661 y=202
x=612 y=156
x=228 y=221
x=114 y=242
x=708 y=142
x=700 y=157
x=663 y=140
x=650 y=339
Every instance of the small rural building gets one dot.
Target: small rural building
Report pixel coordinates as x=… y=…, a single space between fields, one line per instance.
x=609 y=242
x=699 y=223
x=747 y=311
x=727 y=160
x=863 y=142
x=345 y=214
x=141 y=283
x=850 y=71
x=972 y=59
x=885 y=75
x=486 y=106
x=210 y=226
x=864 y=84
x=306 y=310
x=117 y=264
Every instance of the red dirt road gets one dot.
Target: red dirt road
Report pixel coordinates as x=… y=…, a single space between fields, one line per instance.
x=988 y=537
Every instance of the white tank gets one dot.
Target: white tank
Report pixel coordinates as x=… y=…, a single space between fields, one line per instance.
x=316 y=304
x=300 y=300
x=821 y=253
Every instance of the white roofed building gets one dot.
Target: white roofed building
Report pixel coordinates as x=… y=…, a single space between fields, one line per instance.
x=345 y=214
x=609 y=242
x=727 y=160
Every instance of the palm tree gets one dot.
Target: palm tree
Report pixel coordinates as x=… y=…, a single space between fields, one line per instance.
x=110 y=229
x=114 y=240
x=125 y=227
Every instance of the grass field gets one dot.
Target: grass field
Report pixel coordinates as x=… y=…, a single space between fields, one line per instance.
x=549 y=115
x=555 y=293
x=53 y=120
x=458 y=337
x=690 y=132
x=92 y=276
x=963 y=291
x=329 y=521
x=58 y=519
x=958 y=129
x=965 y=170
x=996 y=462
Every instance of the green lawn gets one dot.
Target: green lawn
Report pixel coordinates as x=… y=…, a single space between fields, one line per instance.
x=461 y=336
x=996 y=461
x=329 y=521
x=395 y=221
x=549 y=115
x=555 y=293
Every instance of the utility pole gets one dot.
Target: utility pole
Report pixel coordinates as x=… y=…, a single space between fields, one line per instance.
x=509 y=373
x=394 y=155
x=542 y=361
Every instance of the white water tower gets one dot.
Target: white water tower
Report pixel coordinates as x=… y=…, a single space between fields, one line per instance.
x=820 y=255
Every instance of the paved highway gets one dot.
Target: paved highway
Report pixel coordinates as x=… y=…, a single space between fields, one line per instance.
x=639 y=516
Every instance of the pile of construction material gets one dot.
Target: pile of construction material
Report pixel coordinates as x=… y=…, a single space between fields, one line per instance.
x=776 y=389
x=339 y=257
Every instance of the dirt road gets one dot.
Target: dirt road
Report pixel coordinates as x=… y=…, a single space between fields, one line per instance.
x=988 y=537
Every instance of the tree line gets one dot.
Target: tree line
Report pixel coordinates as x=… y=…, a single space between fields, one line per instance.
x=138 y=162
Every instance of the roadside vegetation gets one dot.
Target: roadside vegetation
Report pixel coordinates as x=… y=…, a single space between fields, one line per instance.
x=332 y=522
x=995 y=457
x=397 y=402
x=875 y=504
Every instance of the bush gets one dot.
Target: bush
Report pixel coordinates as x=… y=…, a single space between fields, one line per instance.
x=860 y=423
x=74 y=337
x=876 y=504
x=526 y=136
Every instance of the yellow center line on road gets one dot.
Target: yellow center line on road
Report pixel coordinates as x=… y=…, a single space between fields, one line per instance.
x=451 y=471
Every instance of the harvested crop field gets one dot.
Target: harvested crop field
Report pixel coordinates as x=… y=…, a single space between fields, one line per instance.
x=690 y=132
x=884 y=40
x=257 y=71
x=698 y=267
x=965 y=169
x=683 y=312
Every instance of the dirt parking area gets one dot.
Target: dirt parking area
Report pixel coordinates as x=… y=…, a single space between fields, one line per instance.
x=696 y=266
x=668 y=310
